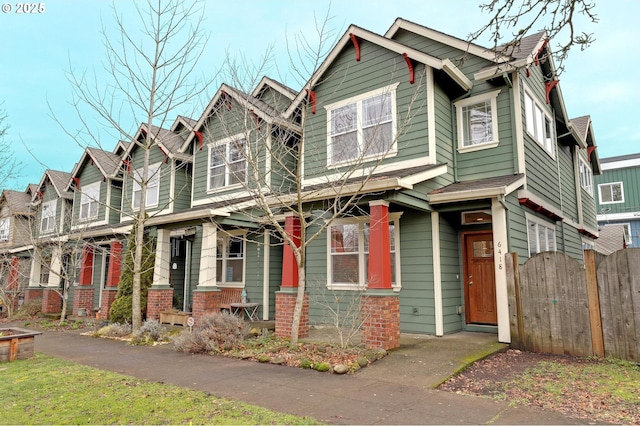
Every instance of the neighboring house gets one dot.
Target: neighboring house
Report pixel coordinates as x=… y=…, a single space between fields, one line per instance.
x=611 y=238
x=96 y=234
x=618 y=192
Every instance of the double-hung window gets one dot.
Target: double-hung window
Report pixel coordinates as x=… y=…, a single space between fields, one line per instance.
x=5 y=226
x=610 y=193
x=539 y=124
x=477 y=119
x=228 y=163
x=586 y=177
x=541 y=235
x=362 y=127
x=89 y=201
x=230 y=255
x=48 y=216
x=153 y=186
x=349 y=253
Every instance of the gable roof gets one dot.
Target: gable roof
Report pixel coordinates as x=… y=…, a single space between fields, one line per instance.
x=249 y=102
x=18 y=202
x=267 y=82
x=440 y=64
x=107 y=162
x=522 y=54
x=169 y=142
x=59 y=180
x=187 y=122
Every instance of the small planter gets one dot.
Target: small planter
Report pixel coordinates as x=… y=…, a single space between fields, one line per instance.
x=174 y=318
x=16 y=343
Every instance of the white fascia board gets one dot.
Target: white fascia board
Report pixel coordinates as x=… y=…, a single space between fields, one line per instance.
x=424 y=176
x=618 y=216
x=456 y=75
x=633 y=162
x=184 y=216
x=21 y=249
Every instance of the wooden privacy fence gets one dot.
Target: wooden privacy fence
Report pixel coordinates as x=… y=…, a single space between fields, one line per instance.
x=558 y=306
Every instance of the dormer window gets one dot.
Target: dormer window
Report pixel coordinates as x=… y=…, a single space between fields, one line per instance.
x=48 y=217
x=153 y=187
x=5 y=226
x=227 y=163
x=89 y=201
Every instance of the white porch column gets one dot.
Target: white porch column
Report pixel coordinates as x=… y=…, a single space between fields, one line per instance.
x=437 y=273
x=56 y=268
x=265 y=274
x=208 y=256
x=500 y=247
x=163 y=259
x=36 y=269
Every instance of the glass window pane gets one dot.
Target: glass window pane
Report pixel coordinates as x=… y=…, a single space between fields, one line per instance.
x=344 y=119
x=344 y=268
x=344 y=147
x=376 y=110
x=476 y=124
x=377 y=139
x=533 y=238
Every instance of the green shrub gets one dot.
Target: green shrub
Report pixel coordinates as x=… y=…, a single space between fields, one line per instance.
x=115 y=330
x=29 y=309
x=212 y=333
x=305 y=363
x=322 y=366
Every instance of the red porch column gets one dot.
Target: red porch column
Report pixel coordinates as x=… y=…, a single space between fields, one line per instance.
x=380 y=304
x=286 y=297
x=83 y=294
x=113 y=279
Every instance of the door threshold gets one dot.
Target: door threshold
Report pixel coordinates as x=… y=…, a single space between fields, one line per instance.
x=481 y=328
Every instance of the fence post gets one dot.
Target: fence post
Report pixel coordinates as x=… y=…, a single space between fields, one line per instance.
x=593 y=298
x=513 y=288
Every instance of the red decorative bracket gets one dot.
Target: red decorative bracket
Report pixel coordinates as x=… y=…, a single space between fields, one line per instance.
x=166 y=156
x=200 y=138
x=407 y=59
x=528 y=73
x=537 y=57
x=227 y=99
x=590 y=151
x=548 y=86
x=255 y=118
x=312 y=98
x=40 y=195
x=143 y=132
x=76 y=182
x=127 y=164
x=354 y=39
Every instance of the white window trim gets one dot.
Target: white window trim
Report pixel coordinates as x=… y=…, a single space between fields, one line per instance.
x=363 y=273
x=5 y=228
x=628 y=239
x=87 y=198
x=586 y=174
x=492 y=97
x=609 y=184
x=226 y=235
x=155 y=170
x=551 y=150
x=541 y=222
x=51 y=219
x=226 y=141
x=358 y=101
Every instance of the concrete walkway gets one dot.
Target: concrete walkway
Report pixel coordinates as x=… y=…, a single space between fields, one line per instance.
x=395 y=390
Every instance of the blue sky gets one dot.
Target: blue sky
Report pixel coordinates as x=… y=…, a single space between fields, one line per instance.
x=36 y=51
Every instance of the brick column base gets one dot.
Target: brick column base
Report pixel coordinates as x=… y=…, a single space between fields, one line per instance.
x=206 y=302
x=108 y=296
x=51 y=302
x=158 y=300
x=83 y=299
x=381 y=321
x=32 y=294
x=285 y=305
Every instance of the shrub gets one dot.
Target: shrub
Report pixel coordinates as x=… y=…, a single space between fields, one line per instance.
x=212 y=333
x=115 y=330
x=151 y=331
x=29 y=309
x=322 y=366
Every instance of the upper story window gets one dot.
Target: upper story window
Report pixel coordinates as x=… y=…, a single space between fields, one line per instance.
x=228 y=163
x=610 y=193
x=349 y=253
x=48 y=217
x=477 y=119
x=89 y=201
x=153 y=186
x=230 y=255
x=5 y=226
x=362 y=127
x=586 y=177
x=539 y=124
x=541 y=235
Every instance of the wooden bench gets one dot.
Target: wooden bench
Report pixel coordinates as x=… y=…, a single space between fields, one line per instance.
x=229 y=296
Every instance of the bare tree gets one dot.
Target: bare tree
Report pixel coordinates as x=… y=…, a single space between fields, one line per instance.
x=511 y=20
x=150 y=79
x=9 y=166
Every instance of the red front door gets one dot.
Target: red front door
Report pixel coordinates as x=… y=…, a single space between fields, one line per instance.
x=479 y=278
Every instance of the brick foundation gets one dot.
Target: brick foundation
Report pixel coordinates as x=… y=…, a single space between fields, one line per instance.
x=108 y=296
x=158 y=300
x=381 y=322
x=285 y=305
x=83 y=299
x=205 y=302
x=32 y=294
x=51 y=302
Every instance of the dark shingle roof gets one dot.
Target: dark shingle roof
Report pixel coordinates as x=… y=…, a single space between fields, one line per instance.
x=108 y=162
x=60 y=181
x=17 y=201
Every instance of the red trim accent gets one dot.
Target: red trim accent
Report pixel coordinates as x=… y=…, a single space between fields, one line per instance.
x=166 y=156
x=40 y=195
x=590 y=151
x=14 y=273
x=379 y=273
x=537 y=57
x=76 y=182
x=86 y=267
x=227 y=99
x=255 y=118
x=200 y=138
x=407 y=59
x=528 y=73
x=289 y=264
x=143 y=132
x=548 y=86
x=527 y=202
x=128 y=164
x=587 y=233
x=115 y=264
x=312 y=98
x=354 y=39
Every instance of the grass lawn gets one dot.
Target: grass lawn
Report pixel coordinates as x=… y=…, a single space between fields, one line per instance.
x=47 y=390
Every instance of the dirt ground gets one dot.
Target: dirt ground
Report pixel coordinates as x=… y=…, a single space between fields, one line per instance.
x=506 y=375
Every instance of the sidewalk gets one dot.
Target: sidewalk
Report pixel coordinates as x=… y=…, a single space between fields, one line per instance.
x=394 y=390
